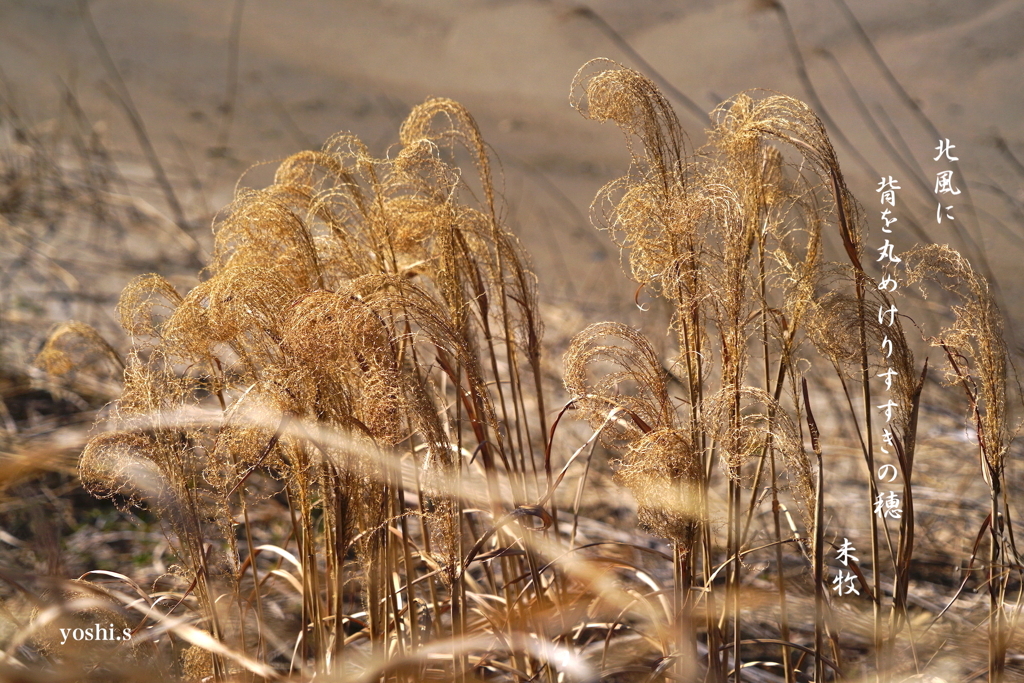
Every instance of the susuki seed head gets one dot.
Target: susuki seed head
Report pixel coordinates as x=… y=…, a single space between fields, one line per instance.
x=662 y=471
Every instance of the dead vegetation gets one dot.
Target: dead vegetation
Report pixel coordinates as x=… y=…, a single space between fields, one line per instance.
x=345 y=431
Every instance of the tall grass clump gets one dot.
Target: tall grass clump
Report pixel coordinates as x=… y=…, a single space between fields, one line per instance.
x=730 y=236
x=344 y=433
x=365 y=351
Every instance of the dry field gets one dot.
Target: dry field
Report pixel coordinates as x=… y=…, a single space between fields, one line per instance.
x=584 y=351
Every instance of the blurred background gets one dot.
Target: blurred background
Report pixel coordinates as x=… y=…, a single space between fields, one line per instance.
x=175 y=100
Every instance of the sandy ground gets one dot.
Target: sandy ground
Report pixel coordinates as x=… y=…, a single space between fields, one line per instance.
x=307 y=69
